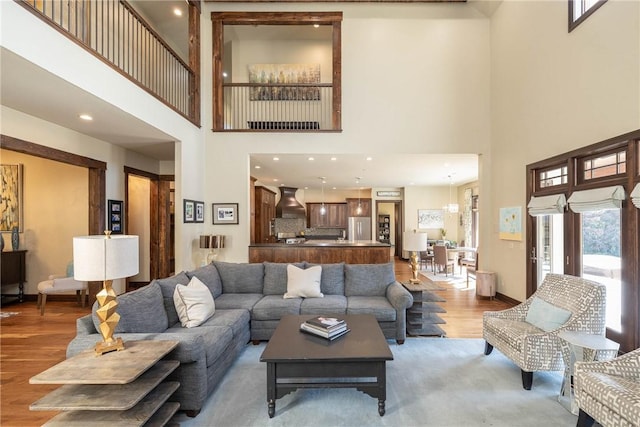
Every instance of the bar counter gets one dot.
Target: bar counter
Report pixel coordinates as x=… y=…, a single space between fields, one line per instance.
x=322 y=252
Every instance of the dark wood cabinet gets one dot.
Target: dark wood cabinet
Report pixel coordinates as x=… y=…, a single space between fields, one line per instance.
x=265 y=205
x=13 y=272
x=365 y=207
x=335 y=215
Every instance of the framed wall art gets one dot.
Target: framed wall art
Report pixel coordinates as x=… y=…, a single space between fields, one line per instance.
x=511 y=223
x=225 y=213
x=188 y=209
x=199 y=212
x=115 y=216
x=430 y=218
x=11 y=197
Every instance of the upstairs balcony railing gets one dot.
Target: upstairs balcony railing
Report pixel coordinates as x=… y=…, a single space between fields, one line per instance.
x=116 y=33
x=264 y=107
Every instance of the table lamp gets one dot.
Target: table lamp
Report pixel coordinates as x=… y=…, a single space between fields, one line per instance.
x=105 y=258
x=217 y=243
x=414 y=242
x=205 y=243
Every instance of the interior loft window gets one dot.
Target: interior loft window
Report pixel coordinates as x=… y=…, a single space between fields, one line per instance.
x=579 y=10
x=551 y=177
x=277 y=71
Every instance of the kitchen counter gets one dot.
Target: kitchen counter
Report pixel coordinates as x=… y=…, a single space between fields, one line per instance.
x=325 y=242
x=322 y=252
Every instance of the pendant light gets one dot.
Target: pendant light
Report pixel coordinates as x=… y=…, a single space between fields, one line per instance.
x=323 y=209
x=359 y=208
x=451 y=207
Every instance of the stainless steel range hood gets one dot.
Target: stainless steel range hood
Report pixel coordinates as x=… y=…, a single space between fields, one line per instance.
x=288 y=206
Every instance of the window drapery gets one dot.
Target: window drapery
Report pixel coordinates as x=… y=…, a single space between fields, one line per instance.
x=597 y=199
x=635 y=196
x=547 y=205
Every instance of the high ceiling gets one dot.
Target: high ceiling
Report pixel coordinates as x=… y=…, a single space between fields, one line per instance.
x=35 y=91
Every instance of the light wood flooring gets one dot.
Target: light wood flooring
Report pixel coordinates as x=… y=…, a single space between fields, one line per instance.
x=30 y=343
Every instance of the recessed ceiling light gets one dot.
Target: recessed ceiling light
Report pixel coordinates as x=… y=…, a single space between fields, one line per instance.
x=257 y=167
x=316 y=25
x=177 y=12
x=310 y=159
x=369 y=158
x=276 y=158
x=86 y=117
x=224 y=74
x=334 y=188
x=333 y=159
x=306 y=188
x=275 y=179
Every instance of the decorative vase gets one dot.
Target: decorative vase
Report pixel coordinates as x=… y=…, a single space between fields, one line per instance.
x=15 y=239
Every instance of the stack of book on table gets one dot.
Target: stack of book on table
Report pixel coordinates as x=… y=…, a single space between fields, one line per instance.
x=325 y=327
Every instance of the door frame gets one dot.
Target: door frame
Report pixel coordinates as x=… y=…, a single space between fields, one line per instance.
x=397 y=227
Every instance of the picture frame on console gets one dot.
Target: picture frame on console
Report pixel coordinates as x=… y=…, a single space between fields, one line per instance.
x=225 y=213
x=115 y=213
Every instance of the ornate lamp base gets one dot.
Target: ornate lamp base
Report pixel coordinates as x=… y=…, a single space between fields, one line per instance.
x=108 y=320
x=414 y=268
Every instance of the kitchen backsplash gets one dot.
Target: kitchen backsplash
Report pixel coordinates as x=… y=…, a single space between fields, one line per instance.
x=299 y=226
x=289 y=225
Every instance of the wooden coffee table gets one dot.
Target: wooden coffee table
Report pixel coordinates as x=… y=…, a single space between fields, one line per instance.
x=299 y=360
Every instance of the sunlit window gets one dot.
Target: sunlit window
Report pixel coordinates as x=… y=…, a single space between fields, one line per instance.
x=579 y=10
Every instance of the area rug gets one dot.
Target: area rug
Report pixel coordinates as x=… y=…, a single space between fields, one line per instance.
x=457 y=280
x=431 y=382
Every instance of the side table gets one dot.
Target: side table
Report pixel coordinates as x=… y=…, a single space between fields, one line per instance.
x=422 y=317
x=121 y=388
x=485 y=283
x=581 y=347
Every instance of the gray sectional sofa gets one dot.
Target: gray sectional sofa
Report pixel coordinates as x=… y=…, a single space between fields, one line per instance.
x=248 y=305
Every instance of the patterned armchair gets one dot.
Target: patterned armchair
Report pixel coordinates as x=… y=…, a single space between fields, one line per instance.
x=528 y=333
x=609 y=392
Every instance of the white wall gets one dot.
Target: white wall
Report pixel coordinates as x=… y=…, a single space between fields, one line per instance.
x=552 y=91
x=415 y=79
x=112 y=87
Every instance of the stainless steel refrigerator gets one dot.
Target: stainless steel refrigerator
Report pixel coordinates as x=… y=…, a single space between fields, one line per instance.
x=359 y=228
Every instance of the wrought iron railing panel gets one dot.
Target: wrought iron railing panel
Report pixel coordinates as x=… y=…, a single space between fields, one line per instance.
x=114 y=31
x=290 y=107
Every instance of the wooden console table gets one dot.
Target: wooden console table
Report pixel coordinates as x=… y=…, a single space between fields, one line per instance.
x=121 y=388
x=422 y=317
x=14 y=272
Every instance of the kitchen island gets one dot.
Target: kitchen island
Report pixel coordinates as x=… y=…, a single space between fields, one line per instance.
x=322 y=252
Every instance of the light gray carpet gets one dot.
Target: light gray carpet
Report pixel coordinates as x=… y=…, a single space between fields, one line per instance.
x=430 y=382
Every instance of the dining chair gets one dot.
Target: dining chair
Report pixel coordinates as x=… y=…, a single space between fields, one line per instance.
x=441 y=259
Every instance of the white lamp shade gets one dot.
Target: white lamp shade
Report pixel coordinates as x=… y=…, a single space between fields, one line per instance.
x=101 y=258
x=414 y=242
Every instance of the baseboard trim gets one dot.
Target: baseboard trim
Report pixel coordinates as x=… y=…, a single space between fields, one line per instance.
x=508 y=300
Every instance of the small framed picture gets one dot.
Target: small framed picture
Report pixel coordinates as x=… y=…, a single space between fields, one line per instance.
x=114 y=214
x=189 y=210
x=199 y=212
x=225 y=213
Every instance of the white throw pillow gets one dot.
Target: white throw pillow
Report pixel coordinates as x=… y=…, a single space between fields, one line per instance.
x=303 y=283
x=194 y=303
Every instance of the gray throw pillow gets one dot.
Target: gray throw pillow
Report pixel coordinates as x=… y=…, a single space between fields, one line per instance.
x=368 y=279
x=210 y=277
x=168 y=287
x=141 y=311
x=275 y=277
x=332 y=279
x=241 y=278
